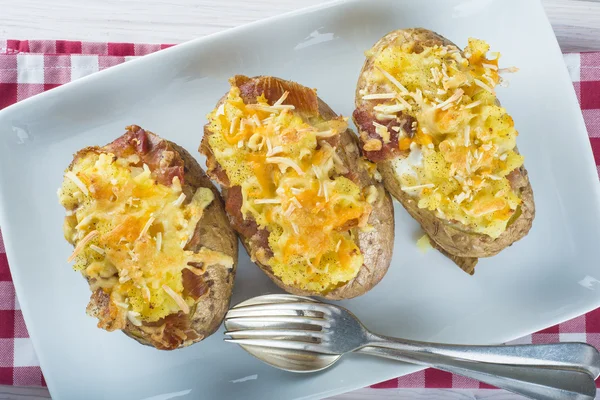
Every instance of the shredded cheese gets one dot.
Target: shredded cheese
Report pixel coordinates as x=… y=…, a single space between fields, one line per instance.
x=179 y=200
x=282 y=98
x=379 y=96
x=393 y=80
x=451 y=99
x=490 y=66
x=417 y=187
x=267 y=201
x=97 y=249
x=77 y=182
x=158 y=239
x=81 y=244
x=286 y=162
x=146 y=227
x=483 y=86
x=177 y=298
x=473 y=104
x=467 y=135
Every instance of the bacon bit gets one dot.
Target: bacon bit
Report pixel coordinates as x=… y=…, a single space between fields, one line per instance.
x=86 y=239
x=71 y=175
x=372 y=145
x=177 y=298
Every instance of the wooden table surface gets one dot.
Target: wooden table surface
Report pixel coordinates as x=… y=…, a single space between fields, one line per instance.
x=575 y=22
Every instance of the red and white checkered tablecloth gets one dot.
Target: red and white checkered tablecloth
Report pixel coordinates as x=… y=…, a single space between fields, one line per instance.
x=32 y=66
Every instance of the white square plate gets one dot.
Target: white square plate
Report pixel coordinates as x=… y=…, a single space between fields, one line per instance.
x=547 y=277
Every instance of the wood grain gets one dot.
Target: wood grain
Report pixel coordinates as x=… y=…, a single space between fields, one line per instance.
x=576 y=22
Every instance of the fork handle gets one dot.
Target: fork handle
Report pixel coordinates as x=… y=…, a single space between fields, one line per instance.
x=541 y=383
x=575 y=356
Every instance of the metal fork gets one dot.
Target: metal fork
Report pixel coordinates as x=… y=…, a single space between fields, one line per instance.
x=297 y=324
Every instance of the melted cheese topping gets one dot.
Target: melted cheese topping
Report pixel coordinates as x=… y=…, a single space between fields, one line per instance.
x=130 y=233
x=464 y=145
x=292 y=185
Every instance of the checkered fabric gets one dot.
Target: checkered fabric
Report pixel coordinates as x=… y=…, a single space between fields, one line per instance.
x=33 y=66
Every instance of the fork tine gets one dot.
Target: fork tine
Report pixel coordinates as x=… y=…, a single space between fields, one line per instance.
x=281 y=322
x=273 y=333
x=282 y=344
x=277 y=309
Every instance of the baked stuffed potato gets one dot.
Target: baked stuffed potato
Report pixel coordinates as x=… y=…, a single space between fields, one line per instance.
x=152 y=239
x=307 y=207
x=428 y=115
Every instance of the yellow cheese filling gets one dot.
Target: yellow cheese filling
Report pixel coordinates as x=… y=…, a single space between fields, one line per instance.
x=464 y=144
x=130 y=232
x=292 y=184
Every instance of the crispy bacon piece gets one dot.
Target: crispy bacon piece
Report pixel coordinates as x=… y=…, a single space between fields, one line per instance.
x=153 y=151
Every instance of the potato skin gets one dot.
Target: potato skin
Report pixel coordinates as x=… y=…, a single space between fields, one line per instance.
x=213 y=232
x=455 y=240
x=376 y=246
